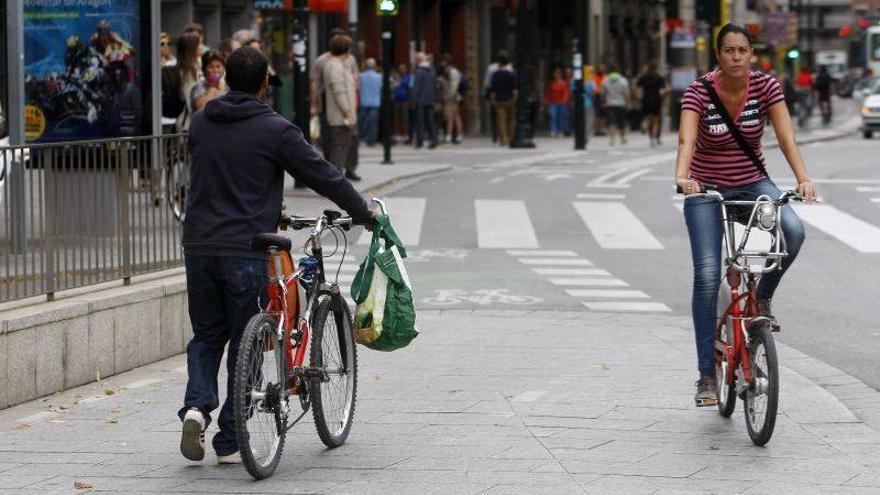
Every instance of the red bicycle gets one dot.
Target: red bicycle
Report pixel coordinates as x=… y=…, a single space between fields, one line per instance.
x=746 y=364
x=304 y=315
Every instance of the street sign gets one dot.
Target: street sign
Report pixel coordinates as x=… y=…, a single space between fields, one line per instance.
x=683 y=40
x=387 y=7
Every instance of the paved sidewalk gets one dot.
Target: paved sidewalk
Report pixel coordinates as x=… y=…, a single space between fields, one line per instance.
x=483 y=402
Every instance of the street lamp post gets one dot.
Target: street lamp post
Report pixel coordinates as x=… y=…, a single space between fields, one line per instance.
x=301 y=103
x=522 y=137
x=387 y=10
x=580 y=135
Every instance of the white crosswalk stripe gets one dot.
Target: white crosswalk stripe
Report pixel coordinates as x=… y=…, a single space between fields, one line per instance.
x=541 y=252
x=606 y=293
x=575 y=272
x=556 y=261
x=407 y=217
x=854 y=232
x=614 y=226
x=596 y=282
x=504 y=224
x=626 y=306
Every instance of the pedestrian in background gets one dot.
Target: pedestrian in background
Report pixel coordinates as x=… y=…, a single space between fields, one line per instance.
x=804 y=88
x=502 y=94
x=823 y=91
x=568 y=108
x=424 y=97
x=341 y=103
x=556 y=99
x=451 y=100
x=401 y=82
x=653 y=88
x=189 y=72
x=228 y=46
x=212 y=84
x=316 y=88
x=615 y=92
x=370 y=101
x=487 y=94
x=166 y=58
x=600 y=113
x=198 y=30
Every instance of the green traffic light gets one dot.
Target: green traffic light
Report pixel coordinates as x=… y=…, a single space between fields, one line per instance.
x=793 y=54
x=387 y=7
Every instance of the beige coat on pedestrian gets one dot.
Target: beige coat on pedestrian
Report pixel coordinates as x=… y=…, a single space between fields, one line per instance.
x=340 y=92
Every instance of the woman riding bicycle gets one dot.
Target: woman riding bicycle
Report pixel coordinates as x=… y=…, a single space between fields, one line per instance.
x=708 y=153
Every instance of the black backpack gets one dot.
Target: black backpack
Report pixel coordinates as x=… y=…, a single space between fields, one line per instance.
x=172 y=103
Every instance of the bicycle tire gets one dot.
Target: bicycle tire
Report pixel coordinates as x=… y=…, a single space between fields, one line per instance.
x=175 y=193
x=726 y=392
x=764 y=365
x=333 y=342
x=252 y=424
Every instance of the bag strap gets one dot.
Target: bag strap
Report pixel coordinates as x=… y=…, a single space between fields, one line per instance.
x=732 y=127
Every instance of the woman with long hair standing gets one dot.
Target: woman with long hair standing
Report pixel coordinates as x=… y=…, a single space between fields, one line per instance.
x=709 y=153
x=188 y=74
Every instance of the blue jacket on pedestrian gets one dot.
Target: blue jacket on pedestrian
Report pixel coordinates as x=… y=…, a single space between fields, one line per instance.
x=240 y=149
x=371 y=89
x=424 y=91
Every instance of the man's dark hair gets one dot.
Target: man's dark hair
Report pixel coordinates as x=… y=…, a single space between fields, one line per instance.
x=340 y=44
x=194 y=27
x=246 y=70
x=732 y=27
x=502 y=59
x=336 y=32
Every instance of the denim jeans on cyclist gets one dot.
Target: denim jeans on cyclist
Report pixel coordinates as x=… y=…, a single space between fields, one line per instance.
x=703 y=218
x=223 y=295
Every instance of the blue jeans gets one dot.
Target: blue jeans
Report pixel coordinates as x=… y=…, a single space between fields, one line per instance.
x=222 y=293
x=556 y=114
x=703 y=218
x=369 y=124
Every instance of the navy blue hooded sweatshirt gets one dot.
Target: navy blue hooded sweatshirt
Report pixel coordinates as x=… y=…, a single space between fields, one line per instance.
x=240 y=149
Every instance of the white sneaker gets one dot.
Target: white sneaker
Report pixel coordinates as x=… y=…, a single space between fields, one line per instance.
x=192 y=440
x=233 y=458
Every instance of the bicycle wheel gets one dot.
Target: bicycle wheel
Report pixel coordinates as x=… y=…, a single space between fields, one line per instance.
x=260 y=419
x=176 y=188
x=726 y=392
x=334 y=354
x=762 y=398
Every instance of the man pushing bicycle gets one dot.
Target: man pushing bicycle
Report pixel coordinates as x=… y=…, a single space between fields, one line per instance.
x=240 y=149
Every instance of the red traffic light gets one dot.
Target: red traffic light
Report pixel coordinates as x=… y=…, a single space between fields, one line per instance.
x=864 y=23
x=845 y=31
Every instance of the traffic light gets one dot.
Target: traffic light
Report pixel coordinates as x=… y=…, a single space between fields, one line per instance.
x=793 y=54
x=387 y=7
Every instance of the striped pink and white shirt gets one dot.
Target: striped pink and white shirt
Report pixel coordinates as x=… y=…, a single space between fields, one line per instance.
x=717 y=158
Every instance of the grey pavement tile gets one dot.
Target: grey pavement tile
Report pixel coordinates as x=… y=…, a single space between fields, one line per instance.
x=393 y=487
x=113 y=485
x=871 y=479
x=413 y=406
x=510 y=489
x=14 y=482
x=469 y=476
x=6 y=466
x=53 y=457
x=134 y=447
x=468 y=464
x=248 y=485
x=96 y=470
x=792 y=487
x=587 y=423
x=845 y=432
x=637 y=485
x=607 y=452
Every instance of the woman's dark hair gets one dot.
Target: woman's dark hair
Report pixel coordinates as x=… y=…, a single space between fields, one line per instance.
x=246 y=70
x=732 y=27
x=188 y=56
x=211 y=55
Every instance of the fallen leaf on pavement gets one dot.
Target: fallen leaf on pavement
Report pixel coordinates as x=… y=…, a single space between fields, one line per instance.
x=112 y=421
x=109 y=391
x=82 y=485
x=23 y=426
x=606 y=366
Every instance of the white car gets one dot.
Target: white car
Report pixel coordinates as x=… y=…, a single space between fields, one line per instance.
x=871 y=113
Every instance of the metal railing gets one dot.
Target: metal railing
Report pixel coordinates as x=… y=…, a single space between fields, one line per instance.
x=80 y=213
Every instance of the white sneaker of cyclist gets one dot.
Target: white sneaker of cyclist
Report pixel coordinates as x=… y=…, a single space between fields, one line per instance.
x=233 y=458
x=192 y=440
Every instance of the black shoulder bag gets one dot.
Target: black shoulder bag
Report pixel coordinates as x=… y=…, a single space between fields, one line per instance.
x=734 y=130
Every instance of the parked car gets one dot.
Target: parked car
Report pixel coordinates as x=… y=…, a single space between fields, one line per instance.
x=871 y=113
x=864 y=87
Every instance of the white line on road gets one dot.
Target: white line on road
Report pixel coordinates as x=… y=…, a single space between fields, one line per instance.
x=556 y=261
x=577 y=272
x=408 y=215
x=504 y=224
x=607 y=293
x=600 y=196
x=868 y=189
x=530 y=396
x=596 y=282
x=856 y=233
x=626 y=179
x=627 y=306
x=541 y=252
x=614 y=226
x=875 y=200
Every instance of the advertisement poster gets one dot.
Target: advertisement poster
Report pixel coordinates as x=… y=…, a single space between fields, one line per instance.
x=83 y=69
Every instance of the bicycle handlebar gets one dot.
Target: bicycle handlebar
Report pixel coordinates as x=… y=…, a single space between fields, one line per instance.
x=709 y=190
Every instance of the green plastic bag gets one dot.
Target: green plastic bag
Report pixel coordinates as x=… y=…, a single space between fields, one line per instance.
x=385 y=317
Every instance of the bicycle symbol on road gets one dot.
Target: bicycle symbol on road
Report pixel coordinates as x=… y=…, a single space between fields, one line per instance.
x=483 y=297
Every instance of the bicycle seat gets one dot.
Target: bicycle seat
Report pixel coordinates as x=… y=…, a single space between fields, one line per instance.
x=265 y=242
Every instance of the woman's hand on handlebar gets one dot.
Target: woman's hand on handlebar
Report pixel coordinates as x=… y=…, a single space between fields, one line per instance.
x=688 y=186
x=808 y=190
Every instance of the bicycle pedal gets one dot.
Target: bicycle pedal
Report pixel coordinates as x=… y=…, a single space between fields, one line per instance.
x=706 y=402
